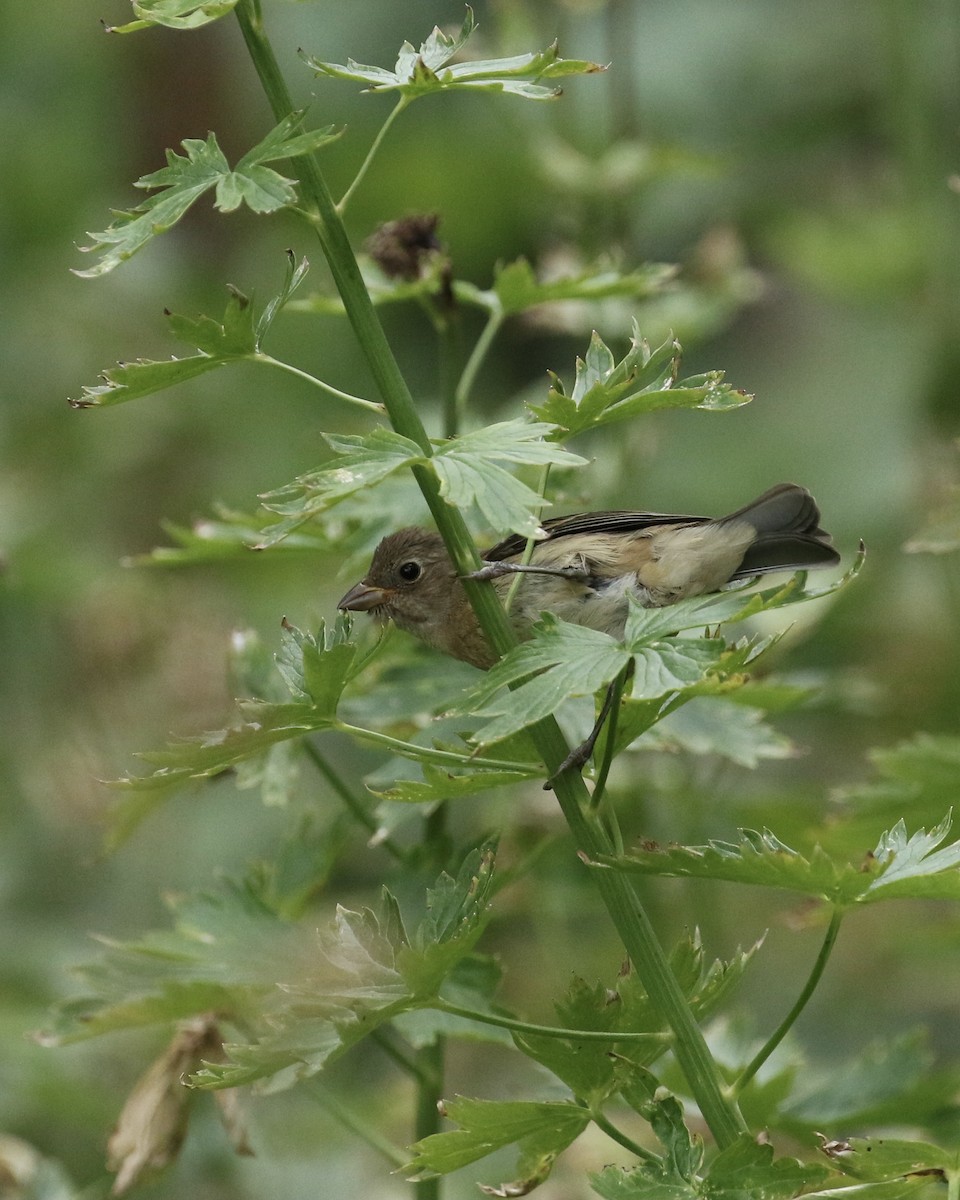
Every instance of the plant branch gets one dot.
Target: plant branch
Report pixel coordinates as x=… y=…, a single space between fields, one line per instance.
x=555 y=1031
x=427 y=1119
x=719 y=1110
x=622 y=1139
x=349 y=398
x=774 y=1040
x=356 y=1124
x=475 y=361
x=449 y=758
x=371 y=153
x=354 y=806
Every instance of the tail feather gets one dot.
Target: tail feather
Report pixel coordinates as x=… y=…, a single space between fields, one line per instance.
x=789 y=536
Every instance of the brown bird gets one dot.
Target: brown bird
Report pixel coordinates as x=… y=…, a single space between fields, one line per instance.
x=586 y=567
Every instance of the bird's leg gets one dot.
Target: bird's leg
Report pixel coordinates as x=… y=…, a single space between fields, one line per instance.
x=580 y=754
x=493 y=570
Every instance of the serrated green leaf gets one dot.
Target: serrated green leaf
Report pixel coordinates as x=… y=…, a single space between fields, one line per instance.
x=714 y=725
x=457 y=913
x=224 y=954
x=361 y=463
x=226 y=535
x=542 y=1130
x=517 y=288
x=233 y=339
x=315 y=669
x=879 y=1160
x=642 y=381
x=744 y=1170
x=848 y=1091
x=564 y=660
x=595 y=1069
x=185 y=178
x=439 y=784
x=469 y=472
x=899 y=866
x=429 y=69
x=748 y=1169
x=175 y=14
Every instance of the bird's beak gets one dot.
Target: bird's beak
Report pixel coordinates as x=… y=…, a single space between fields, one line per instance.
x=362 y=597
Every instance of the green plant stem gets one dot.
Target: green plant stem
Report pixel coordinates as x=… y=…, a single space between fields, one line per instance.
x=475 y=361
x=405 y=1058
x=719 y=1109
x=427 y=1119
x=556 y=1031
x=448 y=758
x=353 y=804
x=371 y=153
x=622 y=1139
x=347 y=397
x=356 y=1124
x=774 y=1040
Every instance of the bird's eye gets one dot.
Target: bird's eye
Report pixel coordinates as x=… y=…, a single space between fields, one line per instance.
x=410 y=571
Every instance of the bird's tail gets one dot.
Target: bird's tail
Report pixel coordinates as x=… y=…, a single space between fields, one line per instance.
x=789 y=537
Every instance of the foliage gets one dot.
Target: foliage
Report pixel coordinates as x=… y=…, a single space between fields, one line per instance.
x=252 y=994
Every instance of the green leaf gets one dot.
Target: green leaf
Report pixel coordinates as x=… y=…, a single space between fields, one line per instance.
x=541 y=1130
x=185 y=178
x=225 y=953
x=233 y=339
x=175 y=14
x=900 y=866
x=593 y=1069
x=564 y=660
x=468 y=469
x=226 y=535
x=429 y=69
x=360 y=463
x=644 y=380
x=362 y=970
x=714 y=725
x=457 y=913
x=744 y=1170
x=469 y=472
x=517 y=288
x=878 y=1160
x=438 y=783
x=868 y=1087
x=316 y=669
x=561 y=660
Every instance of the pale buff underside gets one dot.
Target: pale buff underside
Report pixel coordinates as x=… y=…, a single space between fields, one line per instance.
x=655 y=567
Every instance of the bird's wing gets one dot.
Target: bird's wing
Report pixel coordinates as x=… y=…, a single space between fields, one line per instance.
x=621 y=521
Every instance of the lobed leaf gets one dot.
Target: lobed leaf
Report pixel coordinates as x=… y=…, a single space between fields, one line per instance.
x=430 y=69
x=642 y=381
x=744 y=1170
x=916 y=866
x=235 y=338
x=541 y=1130
x=516 y=287
x=187 y=177
x=175 y=14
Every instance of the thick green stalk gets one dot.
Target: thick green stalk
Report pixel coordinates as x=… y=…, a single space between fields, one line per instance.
x=639 y=939
x=427 y=1119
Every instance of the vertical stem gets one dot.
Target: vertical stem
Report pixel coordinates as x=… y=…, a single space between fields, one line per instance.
x=428 y=1119
x=719 y=1110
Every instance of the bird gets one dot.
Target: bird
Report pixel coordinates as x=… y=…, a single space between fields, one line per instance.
x=587 y=567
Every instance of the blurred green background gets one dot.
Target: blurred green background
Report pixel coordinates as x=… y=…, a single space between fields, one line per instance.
x=794 y=158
